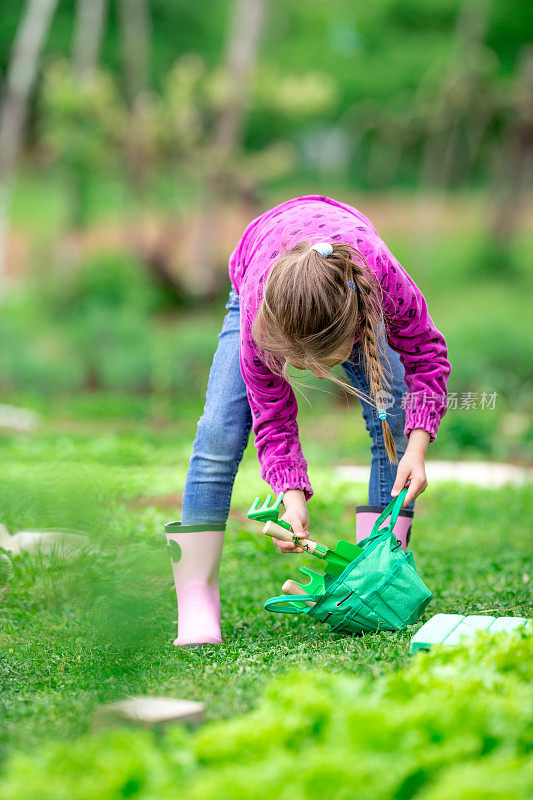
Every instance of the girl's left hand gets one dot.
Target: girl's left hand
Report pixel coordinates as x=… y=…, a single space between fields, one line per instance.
x=412 y=469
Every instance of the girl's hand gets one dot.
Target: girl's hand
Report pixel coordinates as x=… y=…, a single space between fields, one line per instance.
x=412 y=468
x=297 y=515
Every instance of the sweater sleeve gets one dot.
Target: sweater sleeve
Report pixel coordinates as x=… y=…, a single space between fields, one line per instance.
x=274 y=411
x=421 y=347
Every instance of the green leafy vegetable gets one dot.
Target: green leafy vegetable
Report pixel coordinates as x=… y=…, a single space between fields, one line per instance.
x=455 y=724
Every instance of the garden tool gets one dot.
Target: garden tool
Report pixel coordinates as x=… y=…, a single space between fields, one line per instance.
x=317 y=582
x=316 y=585
x=336 y=560
x=195 y=553
x=292 y=589
x=265 y=512
x=379 y=590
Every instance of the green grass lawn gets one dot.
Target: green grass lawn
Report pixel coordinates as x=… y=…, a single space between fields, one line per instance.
x=79 y=633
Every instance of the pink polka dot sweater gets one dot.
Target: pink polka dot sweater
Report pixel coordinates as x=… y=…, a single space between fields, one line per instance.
x=409 y=328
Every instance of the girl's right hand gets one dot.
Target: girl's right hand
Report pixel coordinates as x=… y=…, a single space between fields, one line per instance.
x=297 y=515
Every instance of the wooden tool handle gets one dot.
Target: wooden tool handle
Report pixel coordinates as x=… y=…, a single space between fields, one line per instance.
x=291 y=587
x=277 y=532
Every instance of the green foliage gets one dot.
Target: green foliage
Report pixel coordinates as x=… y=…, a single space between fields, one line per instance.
x=89 y=130
x=471 y=432
x=80 y=119
x=404 y=732
x=83 y=124
x=96 y=328
x=6 y=569
x=296 y=96
x=456 y=723
x=35 y=354
x=490 y=350
x=54 y=495
x=106 y=327
x=109 y=766
x=340 y=63
x=92 y=629
x=111 y=280
x=105 y=308
x=194 y=95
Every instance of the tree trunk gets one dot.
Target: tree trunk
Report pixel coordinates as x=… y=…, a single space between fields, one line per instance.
x=21 y=75
x=516 y=167
x=135 y=41
x=439 y=148
x=90 y=17
x=89 y=24
x=241 y=55
x=135 y=28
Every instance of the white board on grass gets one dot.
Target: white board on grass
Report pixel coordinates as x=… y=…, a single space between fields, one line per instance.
x=449 y=629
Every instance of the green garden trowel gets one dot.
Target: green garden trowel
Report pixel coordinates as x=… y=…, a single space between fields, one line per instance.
x=336 y=560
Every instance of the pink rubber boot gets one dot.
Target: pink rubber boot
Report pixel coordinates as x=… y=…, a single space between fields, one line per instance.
x=196 y=552
x=365 y=517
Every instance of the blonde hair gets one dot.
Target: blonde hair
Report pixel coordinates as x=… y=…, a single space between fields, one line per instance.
x=309 y=312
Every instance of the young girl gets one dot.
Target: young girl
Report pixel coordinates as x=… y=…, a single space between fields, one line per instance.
x=313 y=286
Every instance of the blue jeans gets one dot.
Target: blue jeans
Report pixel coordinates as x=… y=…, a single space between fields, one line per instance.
x=224 y=428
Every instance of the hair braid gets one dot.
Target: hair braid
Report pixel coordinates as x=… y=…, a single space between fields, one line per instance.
x=372 y=341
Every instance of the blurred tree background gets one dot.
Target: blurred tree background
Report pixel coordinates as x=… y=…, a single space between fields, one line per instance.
x=138 y=138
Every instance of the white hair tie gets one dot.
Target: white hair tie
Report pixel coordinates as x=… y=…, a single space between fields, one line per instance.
x=324 y=249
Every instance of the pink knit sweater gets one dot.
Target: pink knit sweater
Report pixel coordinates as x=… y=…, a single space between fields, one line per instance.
x=410 y=329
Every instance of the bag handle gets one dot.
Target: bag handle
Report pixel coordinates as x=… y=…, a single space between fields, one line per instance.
x=283 y=605
x=392 y=510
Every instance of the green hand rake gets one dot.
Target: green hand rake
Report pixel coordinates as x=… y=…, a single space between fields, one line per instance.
x=336 y=560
